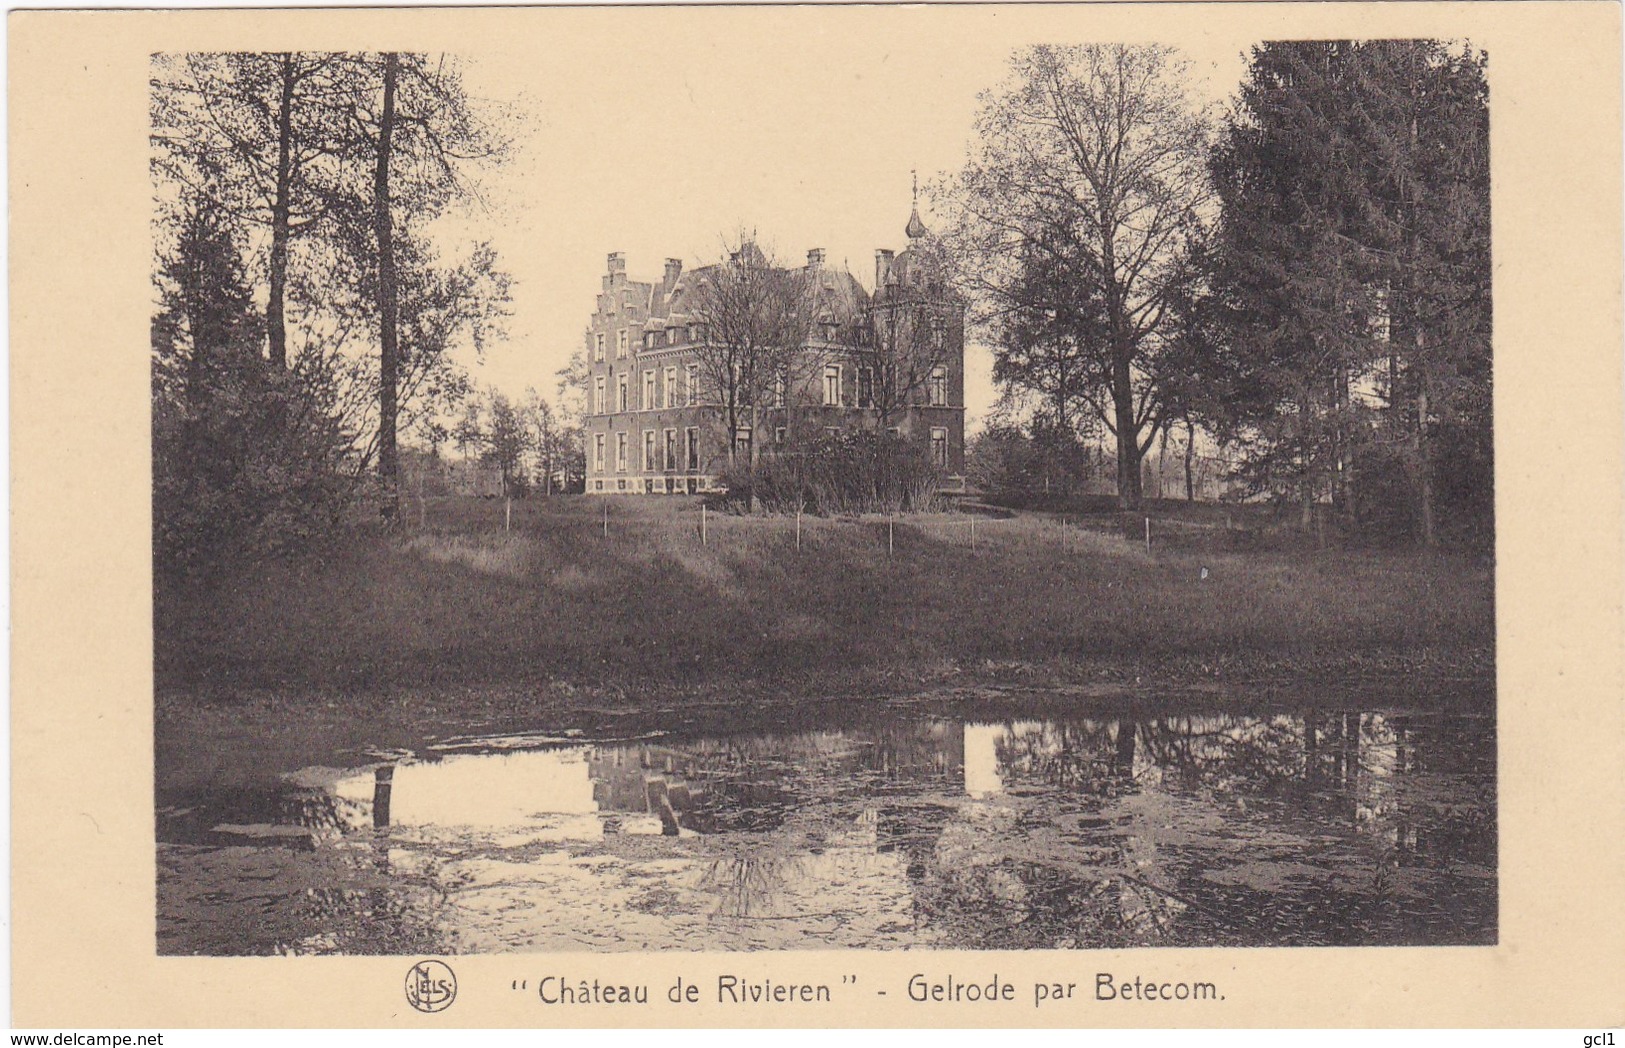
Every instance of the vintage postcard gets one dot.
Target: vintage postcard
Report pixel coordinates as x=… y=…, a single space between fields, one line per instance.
x=950 y=515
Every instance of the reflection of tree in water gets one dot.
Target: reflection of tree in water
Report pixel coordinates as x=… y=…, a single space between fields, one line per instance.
x=1061 y=754
x=332 y=889
x=1328 y=811
x=745 y=883
x=752 y=782
x=372 y=907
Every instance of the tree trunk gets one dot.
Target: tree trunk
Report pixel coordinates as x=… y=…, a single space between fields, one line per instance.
x=388 y=477
x=1424 y=468
x=1162 y=460
x=1129 y=488
x=275 y=324
x=751 y=507
x=1129 y=481
x=1190 y=457
x=1123 y=763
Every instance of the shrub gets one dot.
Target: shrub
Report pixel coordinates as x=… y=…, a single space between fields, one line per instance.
x=247 y=459
x=858 y=472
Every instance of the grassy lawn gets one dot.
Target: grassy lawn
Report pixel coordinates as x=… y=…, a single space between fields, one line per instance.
x=458 y=601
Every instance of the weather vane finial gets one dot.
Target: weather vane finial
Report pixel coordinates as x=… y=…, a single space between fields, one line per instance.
x=914 y=173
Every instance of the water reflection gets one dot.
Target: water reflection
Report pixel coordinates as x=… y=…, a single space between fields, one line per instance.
x=1348 y=827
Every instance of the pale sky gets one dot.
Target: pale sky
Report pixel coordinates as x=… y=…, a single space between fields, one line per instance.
x=658 y=133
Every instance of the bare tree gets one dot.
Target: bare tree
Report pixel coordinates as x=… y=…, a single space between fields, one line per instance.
x=1085 y=181
x=756 y=317
x=263 y=134
x=425 y=134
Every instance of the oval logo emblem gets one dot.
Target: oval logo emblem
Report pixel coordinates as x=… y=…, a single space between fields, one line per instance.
x=431 y=986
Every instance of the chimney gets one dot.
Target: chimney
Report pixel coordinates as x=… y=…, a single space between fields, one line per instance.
x=815 y=258
x=617 y=265
x=882 y=268
x=674 y=269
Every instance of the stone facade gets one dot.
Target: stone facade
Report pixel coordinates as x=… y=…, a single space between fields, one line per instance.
x=648 y=430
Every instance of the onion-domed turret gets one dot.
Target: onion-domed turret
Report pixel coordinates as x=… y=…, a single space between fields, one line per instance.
x=915 y=228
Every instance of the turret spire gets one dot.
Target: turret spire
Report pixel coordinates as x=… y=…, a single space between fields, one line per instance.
x=915 y=228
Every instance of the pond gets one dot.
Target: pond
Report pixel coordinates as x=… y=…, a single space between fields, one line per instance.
x=890 y=828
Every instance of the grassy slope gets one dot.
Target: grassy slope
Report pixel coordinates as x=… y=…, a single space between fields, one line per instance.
x=555 y=600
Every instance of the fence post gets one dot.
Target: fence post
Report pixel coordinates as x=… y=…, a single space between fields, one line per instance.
x=973 y=533
x=606 y=516
x=890 y=546
x=507 y=514
x=798 y=527
x=702 y=523
x=1148 y=534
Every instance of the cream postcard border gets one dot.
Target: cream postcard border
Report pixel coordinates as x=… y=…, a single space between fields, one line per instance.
x=81 y=729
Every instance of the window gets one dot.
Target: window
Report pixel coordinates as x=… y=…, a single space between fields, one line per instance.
x=598 y=455
x=673 y=335
x=939 y=386
x=648 y=451
x=620 y=453
x=598 y=347
x=620 y=344
x=779 y=386
x=648 y=340
x=648 y=390
x=671 y=450
x=598 y=485
x=742 y=441
x=866 y=387
x=832 y=384
x=778 y=435
x=669 y=394
x=692 y=436
x=693 y=380
x=598 y=396
x=696 y=332
x=620 y=392
x=939 y=446
x=939 y=331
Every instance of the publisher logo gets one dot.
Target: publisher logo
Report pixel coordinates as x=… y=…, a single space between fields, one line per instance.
x=431 y=986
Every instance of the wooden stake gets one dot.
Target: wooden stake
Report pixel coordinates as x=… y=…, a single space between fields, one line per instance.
x=606 y=516
x=973 y=533
x=507 y=514
x=798 y=529
x=889 y=542
x=1148 y=534
x=702 y=523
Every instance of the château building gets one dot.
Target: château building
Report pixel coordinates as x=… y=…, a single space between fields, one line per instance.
x=891 y=358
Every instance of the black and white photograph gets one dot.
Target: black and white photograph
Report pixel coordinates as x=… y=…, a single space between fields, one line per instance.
x=999 y=493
